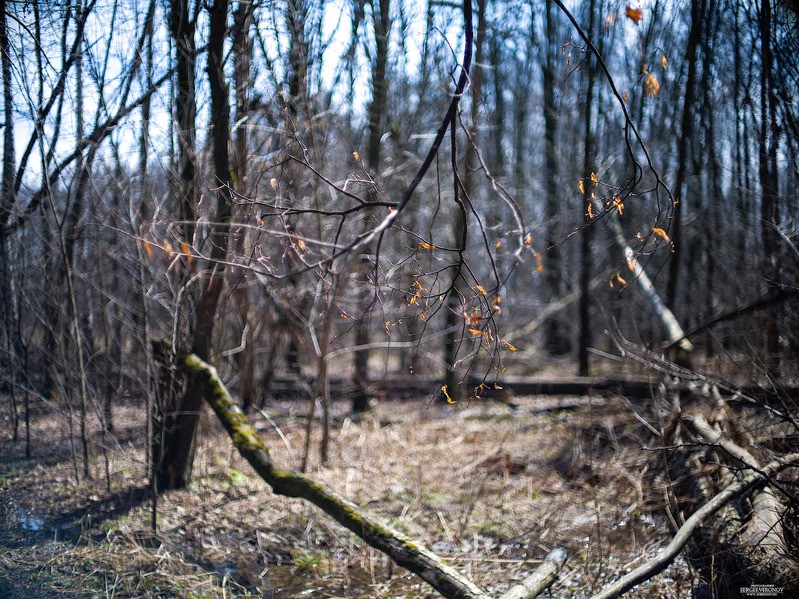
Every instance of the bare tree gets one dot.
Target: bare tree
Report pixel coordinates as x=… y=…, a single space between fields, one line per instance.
x=381 y=18
x=177 y=416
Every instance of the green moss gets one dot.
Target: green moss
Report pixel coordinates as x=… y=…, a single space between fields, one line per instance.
x=311 y=561
x=238 y=478
x=492 y=529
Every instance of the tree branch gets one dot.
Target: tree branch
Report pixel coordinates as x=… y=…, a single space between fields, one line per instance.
x=100 y=133
x=665 y=557
x=755 y=306
x=403 y=551
x=538 y=581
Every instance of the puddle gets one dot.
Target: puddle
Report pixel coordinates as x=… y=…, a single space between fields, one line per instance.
x=34 y=527
x=29 y=521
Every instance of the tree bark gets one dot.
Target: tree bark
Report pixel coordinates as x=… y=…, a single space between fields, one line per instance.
x=7 y=185
x=683 y=148
x=587 y=233
x=212 y=281
x=769 y=187
x=9 y=362
x=377 y=116
x=555 y=339
x=455 y=295
x=177 y=417
x=296 y=14
x=243 y=293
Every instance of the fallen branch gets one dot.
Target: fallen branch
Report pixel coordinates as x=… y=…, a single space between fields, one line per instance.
x=405 y=552
x=665 y=557
x=671 y=327
x=702 y=428
x=755 y=306
x=538 y=581
x=763 y=530
x=402 y=550
x=389 y=387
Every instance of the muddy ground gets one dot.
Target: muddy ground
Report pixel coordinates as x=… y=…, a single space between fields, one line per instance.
x=489 y=487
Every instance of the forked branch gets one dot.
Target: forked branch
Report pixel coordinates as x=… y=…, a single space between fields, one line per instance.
x=699 y=517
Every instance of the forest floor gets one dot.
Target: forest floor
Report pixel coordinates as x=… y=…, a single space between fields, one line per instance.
x=489 y=487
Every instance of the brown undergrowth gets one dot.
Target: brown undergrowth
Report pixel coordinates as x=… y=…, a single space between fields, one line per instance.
x=488 y=487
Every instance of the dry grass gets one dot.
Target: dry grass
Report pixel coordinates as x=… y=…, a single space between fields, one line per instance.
x=489 y=489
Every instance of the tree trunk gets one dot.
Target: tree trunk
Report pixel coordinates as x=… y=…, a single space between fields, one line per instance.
x=769 y=188
x=296 y=14
x=555 y=340
x=177 y=416
x=377 y=117
x=683 y=148
x=9 y=362
x=7 y=183
x=455 y=296
x=242 y=292
x=142 y=316
x=587 y=233
x=212 y=281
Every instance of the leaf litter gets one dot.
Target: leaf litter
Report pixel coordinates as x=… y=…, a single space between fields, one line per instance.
x=490 y=488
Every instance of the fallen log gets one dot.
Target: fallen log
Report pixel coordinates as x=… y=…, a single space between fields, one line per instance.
x=570 y=386
x=405 y=552
x=674 y=332
x=404 y=386
x=732 y=492
x=758 y=547
x=399 y=387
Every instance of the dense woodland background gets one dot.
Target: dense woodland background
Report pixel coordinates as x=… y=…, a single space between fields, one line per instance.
x=240 y=180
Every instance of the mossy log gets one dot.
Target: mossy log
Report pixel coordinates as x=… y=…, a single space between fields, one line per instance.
x=403 y=551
